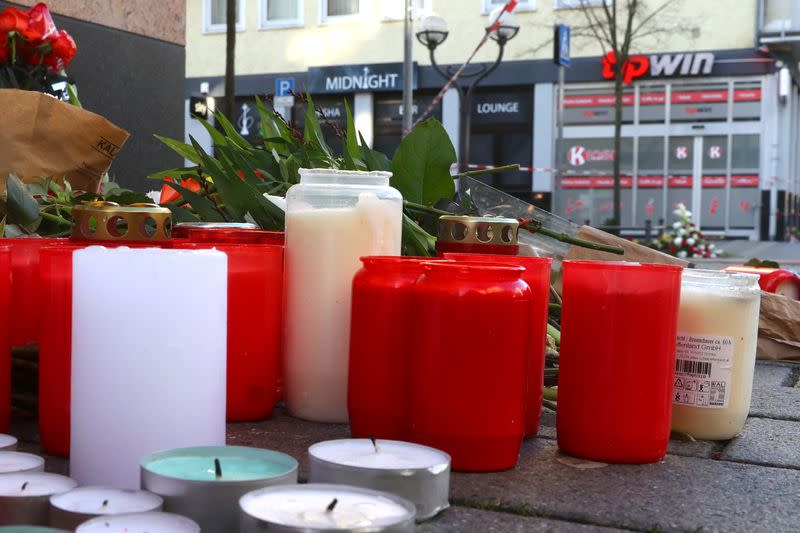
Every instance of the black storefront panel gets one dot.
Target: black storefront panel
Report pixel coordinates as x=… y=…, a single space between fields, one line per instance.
x=334 y=113
x=388 y=118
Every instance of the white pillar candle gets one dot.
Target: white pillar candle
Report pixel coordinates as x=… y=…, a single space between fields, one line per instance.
x=20 y=462
x=70 y=509
x=418 y=473
x=320 y=507
x=154 y=522
x=25 y=496
x=7 y=442
x=141 y=381
x=205 y=483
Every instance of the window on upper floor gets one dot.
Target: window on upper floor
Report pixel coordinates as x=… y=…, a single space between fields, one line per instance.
x=393 y=9
x=335 y=10
x=522 y=5
x=573 y=4
x=281 y=13
x=214 y=15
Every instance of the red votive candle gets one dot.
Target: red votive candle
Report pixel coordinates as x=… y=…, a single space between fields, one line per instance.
x=255 y=311
x=218 y=235
x=55 y=347
x=617 y=360
x=5 y=346
x=537 y=276
x=775 y=280
x=24 y=321
x=468 y=369
x=379 y=370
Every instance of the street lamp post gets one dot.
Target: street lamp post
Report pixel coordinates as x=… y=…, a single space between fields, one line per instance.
x=433 y=32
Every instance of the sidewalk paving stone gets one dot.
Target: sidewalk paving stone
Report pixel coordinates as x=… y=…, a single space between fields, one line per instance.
x=767 y=442
x=462 y=520
x=776 y=402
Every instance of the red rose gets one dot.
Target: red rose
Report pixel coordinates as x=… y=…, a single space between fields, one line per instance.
x=40 y=24
x=13 y=19
x=63 y=50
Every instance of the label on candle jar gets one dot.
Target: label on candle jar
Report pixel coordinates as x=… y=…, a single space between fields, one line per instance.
x=703 y=371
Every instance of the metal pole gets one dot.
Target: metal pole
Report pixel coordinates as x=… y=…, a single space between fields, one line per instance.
x=560 y=136
x=408 y=73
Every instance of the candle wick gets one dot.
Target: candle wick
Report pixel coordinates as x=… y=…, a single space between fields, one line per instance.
x=332 y=505
x=374 y=443
x=25 y=485
x=217 y=468
x=105 y=503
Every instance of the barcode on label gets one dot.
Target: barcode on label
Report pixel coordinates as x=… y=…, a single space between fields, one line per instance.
x=698 y=368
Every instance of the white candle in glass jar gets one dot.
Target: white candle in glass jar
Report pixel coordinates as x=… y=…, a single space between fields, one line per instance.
x=141 y=382
x=311 y=507
x=8 y=443
x=20 y=462
x=25 y=496
x=153 y=522
x=418 y=473
x=332 y=220
x=70 y=509
x=716 y=352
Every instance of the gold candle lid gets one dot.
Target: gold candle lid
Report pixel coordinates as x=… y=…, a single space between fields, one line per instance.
x=109 y=221
x=478 y=230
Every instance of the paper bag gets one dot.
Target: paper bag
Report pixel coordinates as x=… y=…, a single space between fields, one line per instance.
x=778 y=327
x=43 y=136
x=633 y=252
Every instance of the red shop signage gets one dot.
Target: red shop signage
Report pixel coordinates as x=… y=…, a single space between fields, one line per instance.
x=604 y=100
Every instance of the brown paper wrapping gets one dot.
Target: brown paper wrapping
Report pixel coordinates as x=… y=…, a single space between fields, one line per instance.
x=778 y=328
x=43 y=136
x=633 y=252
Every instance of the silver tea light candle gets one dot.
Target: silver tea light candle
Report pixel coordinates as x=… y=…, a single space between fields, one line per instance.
x=25 y=496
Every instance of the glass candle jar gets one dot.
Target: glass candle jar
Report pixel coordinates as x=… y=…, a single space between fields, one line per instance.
x=537 y=276
x=255 y=307
x=617 y=359
x=468 y=368
x=716 y=353
x=5 y=347
x=382 y=317
x=333 y=218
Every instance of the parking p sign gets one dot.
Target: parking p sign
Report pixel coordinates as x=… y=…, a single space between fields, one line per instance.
x=284 y=86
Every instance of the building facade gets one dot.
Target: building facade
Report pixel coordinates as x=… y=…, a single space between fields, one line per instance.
x=710 y=117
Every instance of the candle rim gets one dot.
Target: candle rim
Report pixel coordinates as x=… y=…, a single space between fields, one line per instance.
x=221 y=452
x=120 y=516
x=39 y=460
x=439 y=467
x=56 y=498
x=25 y=476
x=407 y=505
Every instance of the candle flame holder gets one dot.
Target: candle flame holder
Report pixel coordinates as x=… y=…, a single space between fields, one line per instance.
x=478 y=230
x=109 y=221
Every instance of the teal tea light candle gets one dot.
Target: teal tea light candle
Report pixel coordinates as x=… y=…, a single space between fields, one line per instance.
x=205 y=483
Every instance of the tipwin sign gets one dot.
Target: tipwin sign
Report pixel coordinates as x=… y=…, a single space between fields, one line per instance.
x=659 y=65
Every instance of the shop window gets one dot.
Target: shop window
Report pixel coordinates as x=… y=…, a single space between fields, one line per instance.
x=574 y=4
x=680 y=177
x=393 y=9
x=745 y=179
x=747 y=100
x=333 y=10
x=713 y=195
x=650 y=181
x=652 y=103
x=214 y=15
x=281 y=13
x=699 y=102
x=388 y=115
x=596 y=105
x=522 y=5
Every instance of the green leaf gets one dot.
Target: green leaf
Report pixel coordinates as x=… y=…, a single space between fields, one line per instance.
x=231 y=132
x=179 y=214
x=421 y=164
x=217 y=138
x=124 y=197
x=416 y=241
x=374 y=160
x=313 y=130
x=352 y=153
x=180 y=172
x=203 y=206
x=21 y=206
x=183 y=149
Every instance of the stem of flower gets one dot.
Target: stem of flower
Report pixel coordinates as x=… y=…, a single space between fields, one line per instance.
x=550 y=394
x=54 y=218
x=550 y=405
x=424 y=208
x=536 y=227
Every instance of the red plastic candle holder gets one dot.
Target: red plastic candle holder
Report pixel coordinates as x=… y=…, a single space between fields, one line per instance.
x=255 y=311
x=468 y=368
x=774 y=280
x=24 y=321
x=617 y=360
x=5 y=346
x=537 y=276
x=228 y=235
x=55 y=347
x=379 y=372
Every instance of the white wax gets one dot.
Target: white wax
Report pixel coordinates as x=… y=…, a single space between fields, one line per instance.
x=155 y=522
x=27 y=484
x=300 y=507
x=390 y=454
x=106 y=501
x=7 y=442
x=143 y=378
x=729 y=314
x=323 y=247
x=20 y=462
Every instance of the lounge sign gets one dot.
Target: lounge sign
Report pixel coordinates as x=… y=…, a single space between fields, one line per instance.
x=379 y=77
x=659 y=65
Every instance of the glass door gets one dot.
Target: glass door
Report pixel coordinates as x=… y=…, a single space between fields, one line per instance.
x=680 y=175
